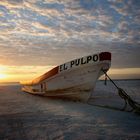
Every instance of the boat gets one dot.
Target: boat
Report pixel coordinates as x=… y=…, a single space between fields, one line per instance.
x=75 y=79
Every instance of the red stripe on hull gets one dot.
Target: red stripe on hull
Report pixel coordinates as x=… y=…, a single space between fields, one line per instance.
x=105 y=56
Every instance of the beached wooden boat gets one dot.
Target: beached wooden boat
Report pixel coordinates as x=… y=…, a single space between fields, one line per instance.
x=75 y=79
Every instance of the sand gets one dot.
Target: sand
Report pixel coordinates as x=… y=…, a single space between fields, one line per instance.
x=25 y=117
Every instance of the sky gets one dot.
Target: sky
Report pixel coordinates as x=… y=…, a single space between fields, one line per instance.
x=37 y=35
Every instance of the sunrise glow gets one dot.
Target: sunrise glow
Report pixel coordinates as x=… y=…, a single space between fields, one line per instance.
x=23 y=73
x=36 y=36
x=2 y=76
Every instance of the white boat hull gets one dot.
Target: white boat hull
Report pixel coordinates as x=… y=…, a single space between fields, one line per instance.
x=76 y=83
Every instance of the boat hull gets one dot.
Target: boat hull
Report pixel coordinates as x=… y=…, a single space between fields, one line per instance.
x=76 y=83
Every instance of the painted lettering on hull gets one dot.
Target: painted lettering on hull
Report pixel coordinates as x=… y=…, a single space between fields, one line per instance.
x=78 y=62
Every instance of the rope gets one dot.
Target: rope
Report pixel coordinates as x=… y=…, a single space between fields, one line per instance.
x=128 y=100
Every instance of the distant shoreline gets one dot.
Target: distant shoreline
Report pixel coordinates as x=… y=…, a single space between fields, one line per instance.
x=9 y=83
x=16 y=83
x=120 y=79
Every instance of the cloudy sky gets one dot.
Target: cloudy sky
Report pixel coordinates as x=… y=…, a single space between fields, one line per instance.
x=36 y=35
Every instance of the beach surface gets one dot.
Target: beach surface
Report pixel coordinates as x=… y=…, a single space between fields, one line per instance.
x=25 y=117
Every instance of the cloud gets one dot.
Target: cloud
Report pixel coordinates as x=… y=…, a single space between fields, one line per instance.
x=39 y=32
x=126 y=8
x=12 y=3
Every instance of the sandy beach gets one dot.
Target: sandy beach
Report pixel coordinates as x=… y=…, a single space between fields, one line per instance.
x=24 y=116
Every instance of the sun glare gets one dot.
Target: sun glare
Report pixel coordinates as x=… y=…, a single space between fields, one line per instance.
x=2 y=76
